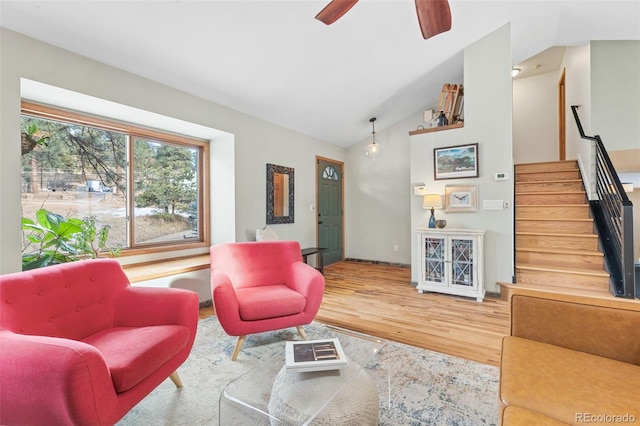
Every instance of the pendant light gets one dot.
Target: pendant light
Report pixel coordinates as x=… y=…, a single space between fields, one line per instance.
x=374 y=149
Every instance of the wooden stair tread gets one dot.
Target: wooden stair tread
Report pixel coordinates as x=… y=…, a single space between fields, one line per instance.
x=563 y=270
x=554 y=193
x=546 y=172
x=546 y=182
x=554 y=291
x=560 y=251
x=584 y=296
x=555 y=234
x=547 y=162
x=553 y=219
x=572 y=169
x=551 y=205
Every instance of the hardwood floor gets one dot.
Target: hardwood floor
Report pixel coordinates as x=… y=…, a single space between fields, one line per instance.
x=379 y=300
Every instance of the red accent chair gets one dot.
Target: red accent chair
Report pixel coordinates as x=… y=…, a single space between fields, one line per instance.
x=263 y=286
x=80 y=346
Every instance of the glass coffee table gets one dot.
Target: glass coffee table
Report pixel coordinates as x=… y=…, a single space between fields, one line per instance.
x=270 y=395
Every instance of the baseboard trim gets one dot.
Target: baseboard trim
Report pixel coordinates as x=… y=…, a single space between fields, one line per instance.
x=378 y=262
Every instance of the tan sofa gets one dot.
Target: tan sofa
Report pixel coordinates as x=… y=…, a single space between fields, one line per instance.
x=572 y=361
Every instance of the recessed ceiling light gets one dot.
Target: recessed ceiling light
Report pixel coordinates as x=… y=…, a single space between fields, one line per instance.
x=515 y=71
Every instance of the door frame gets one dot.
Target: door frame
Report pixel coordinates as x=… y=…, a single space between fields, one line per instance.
x=341 y=164
x=562 y=118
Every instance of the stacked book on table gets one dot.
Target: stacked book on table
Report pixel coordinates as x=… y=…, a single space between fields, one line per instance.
x=315 y=355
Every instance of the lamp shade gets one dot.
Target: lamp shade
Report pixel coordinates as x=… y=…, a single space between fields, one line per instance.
x=432 y=201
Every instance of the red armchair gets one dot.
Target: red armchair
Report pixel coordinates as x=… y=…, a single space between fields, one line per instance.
x=263 y=286
x=80 y=346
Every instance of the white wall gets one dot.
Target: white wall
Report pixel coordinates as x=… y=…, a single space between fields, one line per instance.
x=377 y=207
x=615 y=93
x=256 y=142
x=602 y=79
x=577 y=92
x=488 y=105
x=535 y=118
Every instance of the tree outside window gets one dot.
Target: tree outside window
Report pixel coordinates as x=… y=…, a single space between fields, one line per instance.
x=147 y=190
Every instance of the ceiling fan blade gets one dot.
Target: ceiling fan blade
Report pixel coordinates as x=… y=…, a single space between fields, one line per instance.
x=434 y=17
x=334 y=10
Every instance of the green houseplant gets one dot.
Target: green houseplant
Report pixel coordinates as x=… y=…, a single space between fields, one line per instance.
x=53 y=239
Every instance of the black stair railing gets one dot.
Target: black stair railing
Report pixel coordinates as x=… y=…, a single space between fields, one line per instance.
x=613 y=215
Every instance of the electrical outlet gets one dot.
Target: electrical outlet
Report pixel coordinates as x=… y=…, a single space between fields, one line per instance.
x=395 y=247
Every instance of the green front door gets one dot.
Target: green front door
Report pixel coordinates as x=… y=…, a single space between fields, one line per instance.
x=330 y=210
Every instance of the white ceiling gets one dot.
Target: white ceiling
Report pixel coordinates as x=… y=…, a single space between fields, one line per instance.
x=273 y=60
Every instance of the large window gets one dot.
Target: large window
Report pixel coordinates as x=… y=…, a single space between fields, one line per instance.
x=149 y=187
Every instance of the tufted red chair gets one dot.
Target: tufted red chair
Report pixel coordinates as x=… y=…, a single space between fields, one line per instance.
x=263 y=286
x=80 y=346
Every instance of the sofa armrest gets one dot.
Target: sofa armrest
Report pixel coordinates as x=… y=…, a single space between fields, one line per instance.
x=226 y=303
x=307 y=281
x=45 y=378
x=145 y=306
x=599 y=330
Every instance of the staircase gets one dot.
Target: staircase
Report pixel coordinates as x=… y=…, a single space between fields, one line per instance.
x=556 y=245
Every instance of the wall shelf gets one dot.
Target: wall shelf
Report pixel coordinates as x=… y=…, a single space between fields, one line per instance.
x=436 y=129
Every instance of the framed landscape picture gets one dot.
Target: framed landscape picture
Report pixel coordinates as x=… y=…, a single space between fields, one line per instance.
x=455 y=162
x=460 y=199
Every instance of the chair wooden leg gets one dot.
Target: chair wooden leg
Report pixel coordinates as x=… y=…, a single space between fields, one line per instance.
x=236 y=350
x=301 y=331
x=175 y=378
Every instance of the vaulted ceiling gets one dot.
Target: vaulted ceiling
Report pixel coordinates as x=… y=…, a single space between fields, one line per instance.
x=273 y=60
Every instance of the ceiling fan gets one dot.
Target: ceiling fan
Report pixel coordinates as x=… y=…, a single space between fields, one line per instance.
x=434 y=16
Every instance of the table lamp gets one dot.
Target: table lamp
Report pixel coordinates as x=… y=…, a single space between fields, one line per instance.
x=432 y=201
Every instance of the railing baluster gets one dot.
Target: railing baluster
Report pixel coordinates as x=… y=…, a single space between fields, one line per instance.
x=614 y=216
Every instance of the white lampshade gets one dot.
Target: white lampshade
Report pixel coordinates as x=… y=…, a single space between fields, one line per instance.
x=432 y=201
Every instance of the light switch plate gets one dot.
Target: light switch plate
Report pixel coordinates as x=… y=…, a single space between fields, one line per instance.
x=492 y=204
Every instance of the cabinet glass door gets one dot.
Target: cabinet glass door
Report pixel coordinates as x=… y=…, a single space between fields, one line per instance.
x=434 y=253
x=462 y=271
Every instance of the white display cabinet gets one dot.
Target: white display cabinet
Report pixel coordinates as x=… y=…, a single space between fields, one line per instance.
x=451 y=261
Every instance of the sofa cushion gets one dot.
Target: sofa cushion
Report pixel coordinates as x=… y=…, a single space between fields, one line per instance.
x=133 y=353
x=517 y=416
x=565 y=384
x=271 y=301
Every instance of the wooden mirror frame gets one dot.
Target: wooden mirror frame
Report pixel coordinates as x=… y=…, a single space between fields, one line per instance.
x=272 y=169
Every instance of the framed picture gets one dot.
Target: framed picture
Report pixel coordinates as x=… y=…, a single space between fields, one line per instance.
x=455 y=162
x=460 y=199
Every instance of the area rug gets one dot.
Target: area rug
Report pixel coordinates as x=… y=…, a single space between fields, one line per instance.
x=425 y=387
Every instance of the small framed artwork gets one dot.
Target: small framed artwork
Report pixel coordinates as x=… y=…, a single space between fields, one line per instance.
x=455 y=162
x=460 y=199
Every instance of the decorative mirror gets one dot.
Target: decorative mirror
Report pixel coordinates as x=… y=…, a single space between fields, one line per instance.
x=279 y=194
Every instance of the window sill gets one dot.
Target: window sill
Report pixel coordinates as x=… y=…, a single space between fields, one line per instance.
x=138 y=272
